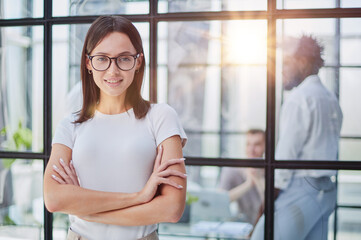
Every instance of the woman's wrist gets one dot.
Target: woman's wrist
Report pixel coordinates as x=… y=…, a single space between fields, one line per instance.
x=140 y=198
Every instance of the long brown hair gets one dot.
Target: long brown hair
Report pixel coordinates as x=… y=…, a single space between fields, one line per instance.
x=100 y=28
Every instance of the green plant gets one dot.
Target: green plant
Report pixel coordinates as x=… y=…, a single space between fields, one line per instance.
x=8 y=221
x=21 y=139
x=191 y=198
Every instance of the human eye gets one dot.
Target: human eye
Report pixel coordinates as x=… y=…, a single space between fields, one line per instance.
x=101 y=58
x=125 y=58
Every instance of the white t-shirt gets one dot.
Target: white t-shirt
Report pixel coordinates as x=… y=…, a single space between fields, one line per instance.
x=116 y=153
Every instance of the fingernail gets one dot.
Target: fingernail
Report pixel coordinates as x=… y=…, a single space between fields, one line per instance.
x=185 y=174
x=61 y=160
x=55 y=167
x=183 y=159
x=71 y=162
x=180 y=186
x=53 y=176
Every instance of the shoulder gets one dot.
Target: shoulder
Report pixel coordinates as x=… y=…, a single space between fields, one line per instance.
x=68 y=122
x=161 y=108
x=68 y=119
x=161 y=111
x=65 y=131
x=165 y=123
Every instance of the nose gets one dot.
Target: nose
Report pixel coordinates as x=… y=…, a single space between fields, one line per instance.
x=113 y=68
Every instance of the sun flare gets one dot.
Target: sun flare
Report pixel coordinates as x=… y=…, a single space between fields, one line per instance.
x=246 y=43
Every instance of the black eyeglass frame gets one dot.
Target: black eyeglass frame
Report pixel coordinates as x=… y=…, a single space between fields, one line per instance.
x=116 y=63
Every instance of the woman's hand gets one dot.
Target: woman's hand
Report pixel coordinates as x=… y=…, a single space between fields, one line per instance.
x=67 y=173
x=160 y=176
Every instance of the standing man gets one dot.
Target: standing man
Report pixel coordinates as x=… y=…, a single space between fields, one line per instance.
x=246 y=185
x=310 y=125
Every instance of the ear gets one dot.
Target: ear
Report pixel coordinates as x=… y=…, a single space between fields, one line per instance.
x=303 y=63
x=139 y=61
x=88 y=64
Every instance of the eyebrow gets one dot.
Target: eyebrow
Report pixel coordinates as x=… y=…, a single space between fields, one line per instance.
x=120 y=54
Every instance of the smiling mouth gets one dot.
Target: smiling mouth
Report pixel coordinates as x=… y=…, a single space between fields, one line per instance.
x=113 y=81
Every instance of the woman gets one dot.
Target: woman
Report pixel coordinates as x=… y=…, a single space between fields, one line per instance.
x=110 y=146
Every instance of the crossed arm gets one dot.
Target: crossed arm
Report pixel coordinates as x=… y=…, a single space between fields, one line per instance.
x=131 y=209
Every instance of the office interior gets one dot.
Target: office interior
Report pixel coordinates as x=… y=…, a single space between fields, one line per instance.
x=218 y=63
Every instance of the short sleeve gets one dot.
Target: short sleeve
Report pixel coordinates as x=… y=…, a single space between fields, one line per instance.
x=165 y=123
x=64 y=133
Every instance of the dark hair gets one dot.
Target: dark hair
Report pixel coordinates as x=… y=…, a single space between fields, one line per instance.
x=310 y=48
x=100 y=28
x=253 y=131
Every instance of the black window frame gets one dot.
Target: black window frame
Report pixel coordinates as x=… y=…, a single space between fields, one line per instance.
x=272 y=14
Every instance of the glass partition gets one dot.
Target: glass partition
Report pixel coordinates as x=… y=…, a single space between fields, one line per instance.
x=350 y=3
x=340 y=74
x=221 y=203
x=11 y=9
x=295 y=4
x=309 y=4
x=79 y=8
x=21 y=206
x=21 y=94
x=214 y=74
x=349 y=198
x=305 y=199
x=165 y=6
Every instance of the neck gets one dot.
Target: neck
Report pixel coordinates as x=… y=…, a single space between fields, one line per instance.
x=112 y=105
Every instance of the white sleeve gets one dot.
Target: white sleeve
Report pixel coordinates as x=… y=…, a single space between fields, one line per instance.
x=294 y=128
x=295 y=124
x=166 y=123
x=64 y=133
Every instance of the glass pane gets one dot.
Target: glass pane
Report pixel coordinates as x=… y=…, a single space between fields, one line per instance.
x=323 y=29
x=296 y=4
x=328 y=76
x=331 y=227
x=202 y=145
x=21 y=9
x=244 y=97
x=221 y=202
x=350 y=149
x=21 y=97
x=350 y=3
x=350 y=42
x=60 y=226
x=348 y=223
x=350 y=86
x=165 y=6
x=22 y=207
x=99 y=7
x=67 y=46
x=349 y=188
x=307 y=107
x=213 y=73
x=303 y=206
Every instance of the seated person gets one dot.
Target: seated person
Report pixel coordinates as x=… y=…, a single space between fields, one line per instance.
x=246 y=185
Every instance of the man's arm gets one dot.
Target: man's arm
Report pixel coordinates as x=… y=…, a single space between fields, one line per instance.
x=294 y=128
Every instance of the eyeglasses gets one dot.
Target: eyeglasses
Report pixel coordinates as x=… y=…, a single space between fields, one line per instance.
x=123 y=62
